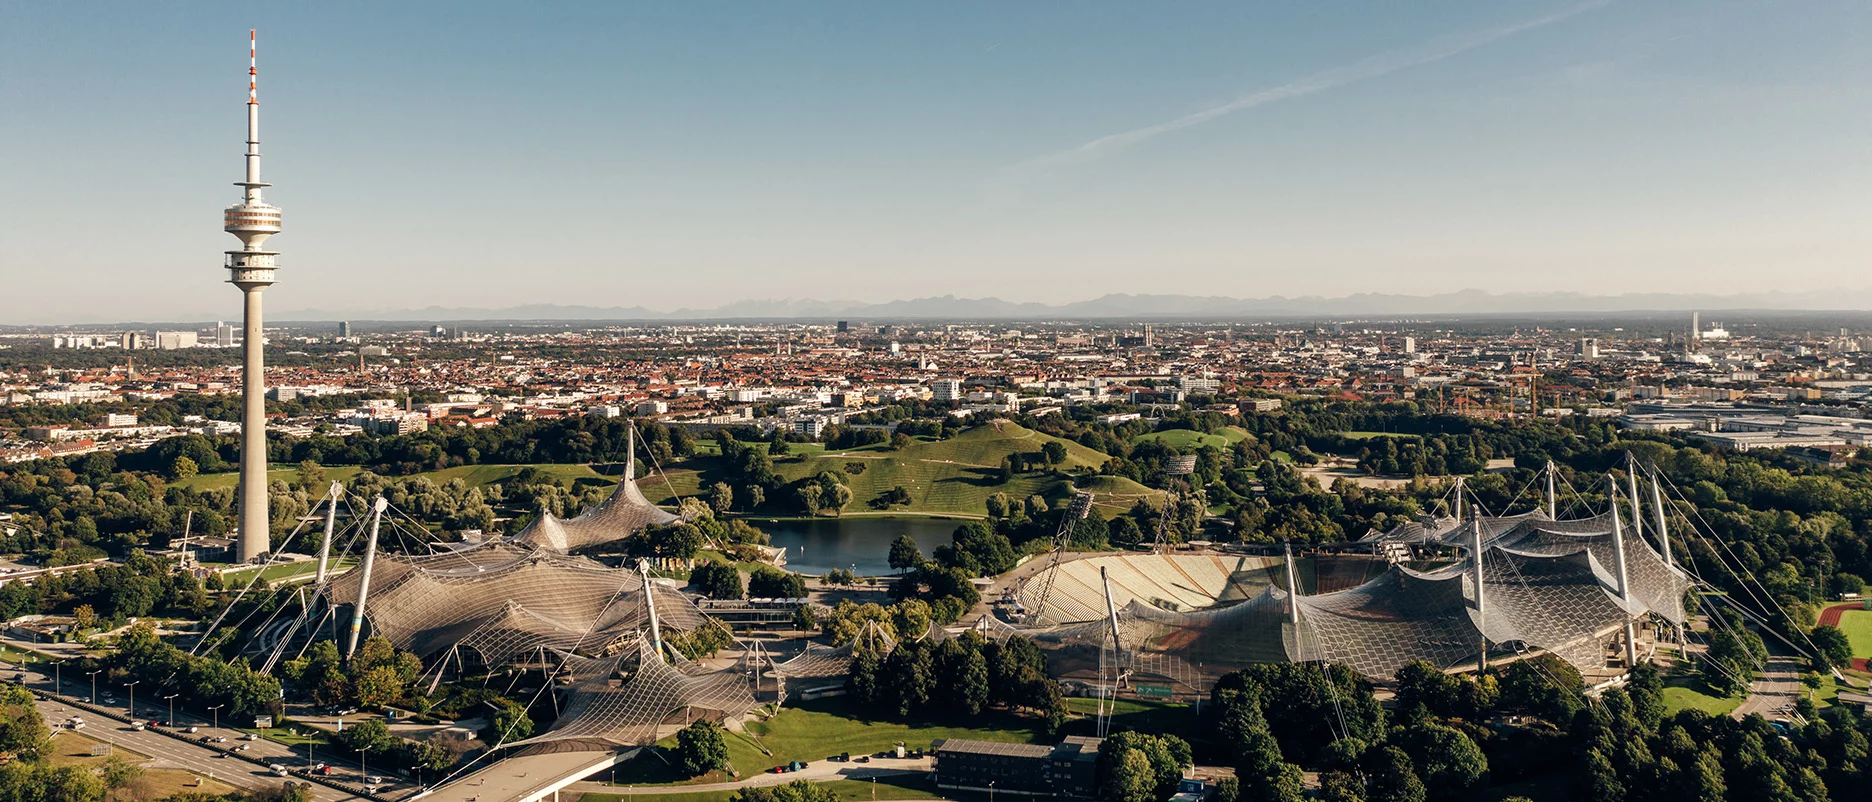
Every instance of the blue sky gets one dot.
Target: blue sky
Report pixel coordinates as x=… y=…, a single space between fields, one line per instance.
x=685 y=154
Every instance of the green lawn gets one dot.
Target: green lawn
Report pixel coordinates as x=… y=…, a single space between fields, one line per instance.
x=1142 y=715
x=899 y=786
x=812 y=731
x=1857 y=624
x=288 y=570
x=1692 y=694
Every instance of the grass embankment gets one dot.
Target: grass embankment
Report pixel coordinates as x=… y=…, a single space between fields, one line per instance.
x=815 y=730
x=74 y=749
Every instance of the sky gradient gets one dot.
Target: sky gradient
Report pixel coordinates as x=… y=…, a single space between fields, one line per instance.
x=671 y=155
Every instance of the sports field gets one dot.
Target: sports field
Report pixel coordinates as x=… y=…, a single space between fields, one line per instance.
x=1857 y=624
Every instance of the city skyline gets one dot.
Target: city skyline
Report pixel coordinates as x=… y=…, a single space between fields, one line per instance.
x=670 y=159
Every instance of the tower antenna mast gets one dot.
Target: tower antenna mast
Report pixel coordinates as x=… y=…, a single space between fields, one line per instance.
x=252 y=269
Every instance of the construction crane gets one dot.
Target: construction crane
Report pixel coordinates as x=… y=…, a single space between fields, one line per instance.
x=1075 y=512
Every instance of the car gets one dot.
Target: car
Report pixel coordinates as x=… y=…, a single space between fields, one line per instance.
x=252 y=736
x=77 y=725
x=242 y=747
x=279 y=769
x=373 y=780
x=777 y=770
x=864 y=759
x=322 y=770
x=138 y=726
x=192 y=729
x=220 y=739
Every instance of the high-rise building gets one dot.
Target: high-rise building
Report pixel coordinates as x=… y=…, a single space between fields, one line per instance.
x=344 y=328
x=132 y=340
x=252 y=269
x=1410 y=345
x=176 y=340
x=946 y=390
x=224 y=335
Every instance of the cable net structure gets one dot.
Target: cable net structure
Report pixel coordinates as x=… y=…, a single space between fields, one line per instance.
x=504 y=599
x=629 y=699
x=1565 y=587
x=620 y=514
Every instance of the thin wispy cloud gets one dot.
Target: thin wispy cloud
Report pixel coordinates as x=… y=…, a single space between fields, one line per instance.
x=1365 y=69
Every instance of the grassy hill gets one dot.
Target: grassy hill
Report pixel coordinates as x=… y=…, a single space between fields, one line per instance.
x=1190 y=439
x=943 y=476
x=953 y=476
x=1114 y=495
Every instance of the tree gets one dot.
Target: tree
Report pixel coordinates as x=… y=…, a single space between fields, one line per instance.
x=84 y=617
x=369 y=735
x=717 y=580
x=1832 y=645
x=1129 y=778
x=904 y=554
x=809 y=497
x=510 y=723
x=378 y=687
x=769 y=583
x=1393 y=779
x=1055 y=452
x=183 y=468
x=720 y=497
x=795 y=791
x=701 y=749
x=118 y=773
x=22 y=729
x=1447 y=761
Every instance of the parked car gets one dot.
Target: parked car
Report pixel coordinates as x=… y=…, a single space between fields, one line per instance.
x=279 y=769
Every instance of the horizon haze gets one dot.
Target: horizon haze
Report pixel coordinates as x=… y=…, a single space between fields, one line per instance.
x=488 y=157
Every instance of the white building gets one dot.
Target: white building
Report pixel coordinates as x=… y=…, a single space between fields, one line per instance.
x=174 y=340
x=946 y=389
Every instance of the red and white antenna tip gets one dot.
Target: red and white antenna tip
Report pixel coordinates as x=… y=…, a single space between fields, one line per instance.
x=253 y=67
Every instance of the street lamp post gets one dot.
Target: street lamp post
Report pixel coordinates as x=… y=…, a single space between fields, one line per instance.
x=58 y=676
x=132 y=687
x=171 y=698
x=93 y=699
x=216 y=710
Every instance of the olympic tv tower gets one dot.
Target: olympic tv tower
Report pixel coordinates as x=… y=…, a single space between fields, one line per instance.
x=251 y=269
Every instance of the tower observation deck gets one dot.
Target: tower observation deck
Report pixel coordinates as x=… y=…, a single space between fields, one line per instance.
x=253 y=269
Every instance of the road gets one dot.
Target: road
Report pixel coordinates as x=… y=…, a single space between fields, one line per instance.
x=1779 y=684
x=192 y=755
x=172 y=753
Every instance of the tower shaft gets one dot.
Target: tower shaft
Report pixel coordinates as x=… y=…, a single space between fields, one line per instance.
x=252 y=270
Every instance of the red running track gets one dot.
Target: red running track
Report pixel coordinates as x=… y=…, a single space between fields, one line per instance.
x=1830 y=616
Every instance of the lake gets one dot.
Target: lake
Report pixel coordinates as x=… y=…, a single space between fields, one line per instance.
x=818 y=546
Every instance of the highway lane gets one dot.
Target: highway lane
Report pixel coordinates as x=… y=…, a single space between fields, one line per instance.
x=172 y=753
x=191 y=754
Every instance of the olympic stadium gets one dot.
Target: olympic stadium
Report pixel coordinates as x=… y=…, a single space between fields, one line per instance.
x=1458 y=592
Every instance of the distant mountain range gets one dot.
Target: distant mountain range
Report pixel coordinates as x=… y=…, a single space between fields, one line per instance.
x=1126 y=306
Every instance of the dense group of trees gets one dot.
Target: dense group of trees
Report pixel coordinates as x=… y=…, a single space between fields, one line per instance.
x=953 y=679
